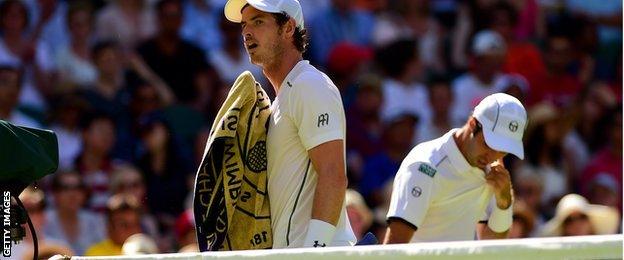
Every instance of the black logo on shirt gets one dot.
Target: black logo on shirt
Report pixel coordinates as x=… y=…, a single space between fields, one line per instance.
x=513 y=126
x=416 y=191
x=323 y=120
x=316 y=244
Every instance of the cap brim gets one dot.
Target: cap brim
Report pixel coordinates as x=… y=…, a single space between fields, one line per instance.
x=504 y=144
x=233 y=9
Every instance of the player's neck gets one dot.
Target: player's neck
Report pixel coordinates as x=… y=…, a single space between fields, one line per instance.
x=277 y=72
x=461 y=138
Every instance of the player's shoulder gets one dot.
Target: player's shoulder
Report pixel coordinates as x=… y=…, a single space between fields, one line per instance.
x=423 y=157
x=312 y=79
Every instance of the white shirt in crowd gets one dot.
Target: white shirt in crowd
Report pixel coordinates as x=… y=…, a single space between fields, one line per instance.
x=74 y=69
x=400 y=97
x=468 y=91
x=439 y=193
x=29 y=95
x=307 y=112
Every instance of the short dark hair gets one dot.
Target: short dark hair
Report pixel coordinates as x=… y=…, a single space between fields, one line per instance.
x=395 y=57
x=100 y=46
x=301 y=39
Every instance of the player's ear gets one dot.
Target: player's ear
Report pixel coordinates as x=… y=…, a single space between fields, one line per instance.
x=289 y=28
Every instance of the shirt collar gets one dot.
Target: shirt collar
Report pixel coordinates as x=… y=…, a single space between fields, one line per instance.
x=294 y=72
x=457 y=159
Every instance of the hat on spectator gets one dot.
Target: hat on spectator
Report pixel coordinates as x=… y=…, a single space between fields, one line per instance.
x=488 y=42
x=233 y=9
x=504 y=120
x=139 y=244
x=345 y=58
x=604 y=220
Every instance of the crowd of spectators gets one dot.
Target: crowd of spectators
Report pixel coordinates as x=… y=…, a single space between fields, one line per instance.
x=131 y=88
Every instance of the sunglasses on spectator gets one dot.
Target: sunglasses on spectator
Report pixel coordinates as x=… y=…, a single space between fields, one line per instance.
x=574 y=218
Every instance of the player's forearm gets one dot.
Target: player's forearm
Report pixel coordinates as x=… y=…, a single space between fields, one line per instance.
x=329 y=194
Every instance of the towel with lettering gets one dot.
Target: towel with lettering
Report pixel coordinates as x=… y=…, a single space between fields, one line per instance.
x=230 y=203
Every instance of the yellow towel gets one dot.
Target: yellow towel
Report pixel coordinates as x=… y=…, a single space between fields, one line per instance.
x=231 y=205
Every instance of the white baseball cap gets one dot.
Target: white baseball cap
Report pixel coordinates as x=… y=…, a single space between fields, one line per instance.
x=487 y=42
x=503 y=120
x=233 y=9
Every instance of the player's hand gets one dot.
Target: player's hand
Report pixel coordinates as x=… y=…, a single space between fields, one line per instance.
x=499 y=179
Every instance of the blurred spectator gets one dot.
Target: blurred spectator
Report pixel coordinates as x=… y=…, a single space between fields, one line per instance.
x=412 y=19
x=94 y=163
x=108 y=94
x=68 y=109
x=381 y=167
x=603 y=189
x=607 y=15
x=346 y=62
x=528 y=187
x=174 y=59
x=530 y=20
x=34 y=202
x=544 y=152
x=126 y=21
x=66 y=220
x=605 y=168
x=576 y=217
x=48 y=20
x=74 y=59
x=10 y=86
x=128 y=181
x=185 y=230
x=360 y=216
x=364 y=126
x=312 y=8
x=523 y=220
x=554 y=84
x=21 y=49
x=401 y=90
x=515 y=85
x=165 y=172
x=231 y=60
x=372 y=6
x=337 y=23
x=484 y=77
x=522 y=57
x=441 y=101
x=139 y=244
x=123 y=220
x=201 y=25
x=585 y=138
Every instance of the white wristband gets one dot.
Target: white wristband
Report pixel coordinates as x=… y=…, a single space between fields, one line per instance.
x=320 y=234
x=501 y=219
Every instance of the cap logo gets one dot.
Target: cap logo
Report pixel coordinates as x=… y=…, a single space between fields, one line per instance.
x=513 y=126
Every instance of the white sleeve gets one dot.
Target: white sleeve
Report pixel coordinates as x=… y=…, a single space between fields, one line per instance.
x=411 y=194
x=317 y=111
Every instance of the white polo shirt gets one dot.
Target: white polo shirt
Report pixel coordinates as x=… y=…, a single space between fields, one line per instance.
x=307 y=112
x=438 y=192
